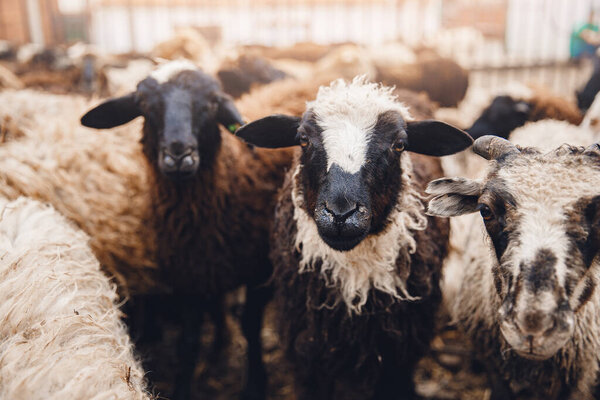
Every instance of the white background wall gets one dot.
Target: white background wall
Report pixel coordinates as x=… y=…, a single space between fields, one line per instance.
x=269 y=25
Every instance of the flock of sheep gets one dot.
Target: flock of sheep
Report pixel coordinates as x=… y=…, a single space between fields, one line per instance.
x=288 y=172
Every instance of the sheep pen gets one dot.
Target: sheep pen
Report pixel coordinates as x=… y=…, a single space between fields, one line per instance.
x=61 y=334
x=98 y=180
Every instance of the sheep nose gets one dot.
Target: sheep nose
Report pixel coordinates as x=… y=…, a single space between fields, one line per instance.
x=178 y=148
x=341 y=208
x=183 y=160
x=535 y=323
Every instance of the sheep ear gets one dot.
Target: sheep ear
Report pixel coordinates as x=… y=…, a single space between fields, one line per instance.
x=272 y=132
x=111 y=113
x=454 y=197
x=228 y=114
x=436 y=138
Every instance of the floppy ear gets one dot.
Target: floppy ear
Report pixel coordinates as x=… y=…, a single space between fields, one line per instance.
x=273 y=132
x=454 y=197
x=111 y=113
x=228 y=114
x=436 y=138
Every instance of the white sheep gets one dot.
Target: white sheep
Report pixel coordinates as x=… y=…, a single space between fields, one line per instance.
x=61 y=334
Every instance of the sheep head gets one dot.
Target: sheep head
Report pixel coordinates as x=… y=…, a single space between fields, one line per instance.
x=182 y=108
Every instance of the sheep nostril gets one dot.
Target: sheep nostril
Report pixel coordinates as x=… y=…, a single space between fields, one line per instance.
x=187 y=161
x=169 y=161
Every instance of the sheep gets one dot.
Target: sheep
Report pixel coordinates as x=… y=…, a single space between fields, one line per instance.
x=506 y=113
x=346 y=61
x=302 y=51
x=212 y=203
x=545 y=135
x=240 y=75
x=391 y=54
x=548 y=134
x=444 y=81
x=97 y=181
x=356 y=262
x=528 y=300
x=8 y=50
x=61 y=335
x=60 y=70
x=8 y=80
x=190 y=44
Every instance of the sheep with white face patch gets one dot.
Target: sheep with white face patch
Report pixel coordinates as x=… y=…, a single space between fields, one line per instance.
x=357 y=263
x=61 y=335
x=528 y=299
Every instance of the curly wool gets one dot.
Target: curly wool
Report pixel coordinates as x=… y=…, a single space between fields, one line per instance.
x=371 y=264
x=97 y=180
x=61 y=334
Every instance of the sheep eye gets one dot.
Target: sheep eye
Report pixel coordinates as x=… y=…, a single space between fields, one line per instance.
x=486 y=212
x=303 y=141
x=399 y=147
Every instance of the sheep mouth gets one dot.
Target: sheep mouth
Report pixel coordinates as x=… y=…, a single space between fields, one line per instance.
x=533 y=356
x=179 y=176
x=343 y=243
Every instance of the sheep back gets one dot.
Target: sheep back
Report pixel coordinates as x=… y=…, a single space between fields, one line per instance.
x=61 y=334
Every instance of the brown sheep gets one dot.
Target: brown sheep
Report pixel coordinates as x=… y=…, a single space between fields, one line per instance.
x=444 y=81
x=213 y=199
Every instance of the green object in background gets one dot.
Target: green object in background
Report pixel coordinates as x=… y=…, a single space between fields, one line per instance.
x=578 y=47
x=233 y=127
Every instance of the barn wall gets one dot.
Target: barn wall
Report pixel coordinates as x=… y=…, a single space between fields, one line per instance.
x=14 y=24
x=37 y=21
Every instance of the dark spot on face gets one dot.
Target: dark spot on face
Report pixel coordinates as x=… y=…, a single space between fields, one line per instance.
x=313 y=160
x=588 y=290
x=540 y=274
x=497 y=198
x=383 y=173
x=583 y=231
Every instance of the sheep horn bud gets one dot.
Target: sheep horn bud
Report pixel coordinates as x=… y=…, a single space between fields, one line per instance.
x=491 y=147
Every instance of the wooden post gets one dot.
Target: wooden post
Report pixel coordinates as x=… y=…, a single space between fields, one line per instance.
x=14 y=24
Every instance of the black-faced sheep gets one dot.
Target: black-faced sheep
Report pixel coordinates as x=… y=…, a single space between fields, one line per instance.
x=213 y=199
x=61 y=335
x=506 y=113
x=528 y=298
x=356 y=261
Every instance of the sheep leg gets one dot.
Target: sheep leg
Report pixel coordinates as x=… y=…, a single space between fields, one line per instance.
x=216 y=310
x=500 y=389
x=396 y=382
x=314 y=386
x=256 y=376
x=144 y=315
x=188 y=346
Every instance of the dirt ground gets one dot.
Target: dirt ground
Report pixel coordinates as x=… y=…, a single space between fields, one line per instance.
x=448 y=373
